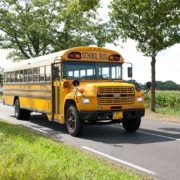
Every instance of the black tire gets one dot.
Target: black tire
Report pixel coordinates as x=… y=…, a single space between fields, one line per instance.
x=131 y=125
x=21 y=113
x=73 y=122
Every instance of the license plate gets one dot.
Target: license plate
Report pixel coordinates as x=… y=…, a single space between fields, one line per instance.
x=117 y=115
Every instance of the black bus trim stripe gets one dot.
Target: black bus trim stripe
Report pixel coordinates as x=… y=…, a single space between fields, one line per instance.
x=28 y=96
x=27 y=90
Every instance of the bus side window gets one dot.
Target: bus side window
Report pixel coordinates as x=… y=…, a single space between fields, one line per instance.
x=16 y=76
x=12 y=76
x=21 y=76
x=8 y=77
x=25 y=76
x=36 y=74
x=5 y=77
x=48 y=73
x=41 y=73
x=30 y=78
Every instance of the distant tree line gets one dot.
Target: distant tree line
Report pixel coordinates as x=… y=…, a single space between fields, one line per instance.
x=160 y=85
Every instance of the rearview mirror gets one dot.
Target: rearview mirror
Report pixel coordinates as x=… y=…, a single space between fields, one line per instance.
x=148 y=85
x=129 y=72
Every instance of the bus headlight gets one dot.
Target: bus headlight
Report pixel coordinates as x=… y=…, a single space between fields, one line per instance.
x=139 y=99
x=85 y=101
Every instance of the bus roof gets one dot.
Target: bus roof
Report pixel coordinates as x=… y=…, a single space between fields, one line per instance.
x=55 y=57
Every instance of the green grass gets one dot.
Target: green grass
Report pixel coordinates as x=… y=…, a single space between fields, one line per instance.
x=27 y=155
x=167 y=102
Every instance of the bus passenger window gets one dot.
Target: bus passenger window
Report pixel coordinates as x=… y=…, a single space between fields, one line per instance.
x=25 y=76
x=41 y=73
x=5 y=77
x=12 y=77
x=48 y=73
x=21 y=76
x=8 y=77
x=17 y=76
x=36 y=74
x=30 y=78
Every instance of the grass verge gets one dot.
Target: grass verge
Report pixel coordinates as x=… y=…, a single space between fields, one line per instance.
x=28 y=155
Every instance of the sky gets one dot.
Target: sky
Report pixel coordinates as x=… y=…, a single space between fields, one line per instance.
x=167 y=65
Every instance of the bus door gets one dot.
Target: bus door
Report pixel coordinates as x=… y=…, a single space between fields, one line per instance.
x=56 y=71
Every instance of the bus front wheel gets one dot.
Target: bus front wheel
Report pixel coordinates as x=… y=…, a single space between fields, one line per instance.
x=21 y=113
x=132 y=125
x=73 y=122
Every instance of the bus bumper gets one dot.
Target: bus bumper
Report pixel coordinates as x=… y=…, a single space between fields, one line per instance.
x=108 y=115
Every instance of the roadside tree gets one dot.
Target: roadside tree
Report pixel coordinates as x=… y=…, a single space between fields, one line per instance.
x=153 y=24
x=37 y=27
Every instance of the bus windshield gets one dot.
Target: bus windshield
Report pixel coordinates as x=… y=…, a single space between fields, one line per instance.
x=92 y=70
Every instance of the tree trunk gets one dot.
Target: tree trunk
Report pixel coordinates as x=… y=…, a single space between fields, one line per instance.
x=153 y=80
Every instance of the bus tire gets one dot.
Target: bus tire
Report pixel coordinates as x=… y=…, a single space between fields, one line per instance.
x=21 y=113
x=73 y=122
x=132 y=125
x=17 y=110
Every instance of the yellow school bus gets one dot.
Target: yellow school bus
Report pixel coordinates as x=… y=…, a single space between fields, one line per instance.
x=75 y=87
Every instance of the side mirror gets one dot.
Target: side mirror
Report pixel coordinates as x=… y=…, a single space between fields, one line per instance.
x=129 y=72
x=76 y=83
x=148 y=85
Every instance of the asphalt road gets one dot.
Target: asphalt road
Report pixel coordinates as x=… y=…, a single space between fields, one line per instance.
x=154 y=149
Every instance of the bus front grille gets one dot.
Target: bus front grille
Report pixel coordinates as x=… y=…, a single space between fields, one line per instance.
x=115 y=95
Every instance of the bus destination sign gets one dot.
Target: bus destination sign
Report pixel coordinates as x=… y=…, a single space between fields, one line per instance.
x=94 y=56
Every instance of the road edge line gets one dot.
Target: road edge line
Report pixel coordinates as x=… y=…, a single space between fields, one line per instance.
x=120 y=161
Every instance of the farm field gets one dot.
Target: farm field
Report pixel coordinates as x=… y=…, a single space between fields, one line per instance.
x=167 y=103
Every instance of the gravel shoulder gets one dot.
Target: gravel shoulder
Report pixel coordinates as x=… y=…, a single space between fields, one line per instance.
x=161 y=117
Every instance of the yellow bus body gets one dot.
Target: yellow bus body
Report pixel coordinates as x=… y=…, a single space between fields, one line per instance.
x=51 y=96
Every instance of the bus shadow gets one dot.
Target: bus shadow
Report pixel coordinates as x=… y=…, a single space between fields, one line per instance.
x=114 y=135
x=109 y=134
x=42 y=124
x=171 y=129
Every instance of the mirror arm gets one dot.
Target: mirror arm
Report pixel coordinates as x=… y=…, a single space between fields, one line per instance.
x=145 y=93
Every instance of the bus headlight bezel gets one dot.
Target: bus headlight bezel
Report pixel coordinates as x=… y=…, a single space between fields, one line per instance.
x=85 y=100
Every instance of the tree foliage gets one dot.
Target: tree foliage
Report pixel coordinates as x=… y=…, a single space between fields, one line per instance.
x=153 y=24
x=37 y=27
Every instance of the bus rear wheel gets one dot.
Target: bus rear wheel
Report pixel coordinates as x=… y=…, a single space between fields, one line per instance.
x=131 y=125
x=21 y=113
x=73 y=122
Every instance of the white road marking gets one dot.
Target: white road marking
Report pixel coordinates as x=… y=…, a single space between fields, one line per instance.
x=170 y=123
x=167 y=137
x=119 y=160
x=152 y=134
x=35 y=128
